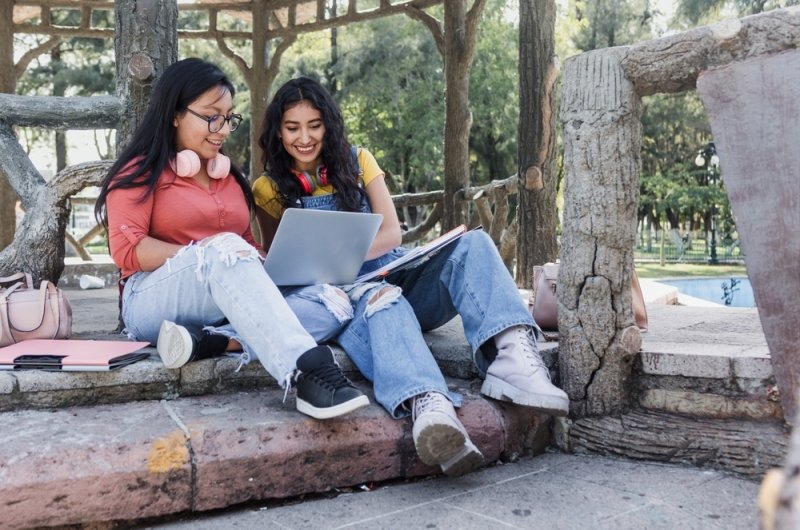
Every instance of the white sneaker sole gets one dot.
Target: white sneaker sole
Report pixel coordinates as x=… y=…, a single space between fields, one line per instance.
x=467 y=459
x=331 y=412
x=174 y=345
x=436 y=438
x=498 y=389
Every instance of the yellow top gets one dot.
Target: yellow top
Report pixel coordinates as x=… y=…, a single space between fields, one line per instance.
x=266 y=192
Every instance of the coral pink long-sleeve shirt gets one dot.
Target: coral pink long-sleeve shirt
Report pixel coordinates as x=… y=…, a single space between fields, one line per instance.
x=179 y=211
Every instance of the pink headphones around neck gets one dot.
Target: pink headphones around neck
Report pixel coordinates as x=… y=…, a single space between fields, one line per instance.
x=187 y=164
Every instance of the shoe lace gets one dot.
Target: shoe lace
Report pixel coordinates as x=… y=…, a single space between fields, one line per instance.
x=428 y=402
x=330 y=375
x=527 y=341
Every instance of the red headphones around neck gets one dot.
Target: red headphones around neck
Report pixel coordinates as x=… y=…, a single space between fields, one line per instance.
x=187 y=164
x=310 y=183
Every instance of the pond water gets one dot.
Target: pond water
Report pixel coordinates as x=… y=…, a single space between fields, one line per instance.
x=733 y=292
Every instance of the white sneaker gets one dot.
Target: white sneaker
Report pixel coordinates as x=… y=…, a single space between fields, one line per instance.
x=174 y=344
x=440 y=438
x=519 y=375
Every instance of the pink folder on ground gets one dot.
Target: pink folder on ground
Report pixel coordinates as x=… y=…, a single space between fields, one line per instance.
x=71 y=355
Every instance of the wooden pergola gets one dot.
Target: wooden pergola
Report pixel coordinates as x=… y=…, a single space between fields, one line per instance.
x=270 y=26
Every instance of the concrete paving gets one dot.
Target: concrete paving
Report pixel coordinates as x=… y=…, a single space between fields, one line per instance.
x=228 y=441
x=550 y=491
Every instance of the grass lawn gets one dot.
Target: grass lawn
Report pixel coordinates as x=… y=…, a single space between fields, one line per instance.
x=676 y=270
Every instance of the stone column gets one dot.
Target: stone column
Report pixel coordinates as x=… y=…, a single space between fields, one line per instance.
x=600 y=113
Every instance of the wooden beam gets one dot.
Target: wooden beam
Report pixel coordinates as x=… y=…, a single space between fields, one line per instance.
x=53 y=112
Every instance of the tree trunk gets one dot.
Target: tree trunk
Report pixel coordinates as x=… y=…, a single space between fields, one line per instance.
x=59 y=89
x=145 y=44
x=602 y=141
x=458 y=118
x=38 y=247
x=8 y=198
x=537 y=216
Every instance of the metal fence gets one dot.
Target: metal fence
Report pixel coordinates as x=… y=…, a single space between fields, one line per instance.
x=695 y=251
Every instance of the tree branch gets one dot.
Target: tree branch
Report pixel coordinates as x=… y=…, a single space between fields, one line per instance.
x=235 y=58
x=62 y=112
x=30 y=55
x=474 y=17
x=18 y=168
x=73 y=179
x=433 y=25
x=275 y=60
x=421 y=229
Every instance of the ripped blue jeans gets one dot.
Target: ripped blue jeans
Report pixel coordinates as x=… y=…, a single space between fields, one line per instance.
x=384 y=339
x=218 y=284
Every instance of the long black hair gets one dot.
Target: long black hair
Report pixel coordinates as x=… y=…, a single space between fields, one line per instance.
x=337 y=154
x=154 y=143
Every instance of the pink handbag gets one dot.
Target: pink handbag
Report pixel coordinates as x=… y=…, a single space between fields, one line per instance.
x=544 y=302
x=28 y=313
x=544 y=305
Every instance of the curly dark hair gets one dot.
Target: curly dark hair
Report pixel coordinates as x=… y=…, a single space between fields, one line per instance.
x=337 y=154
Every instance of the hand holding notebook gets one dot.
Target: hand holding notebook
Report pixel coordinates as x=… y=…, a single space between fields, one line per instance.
x=416 y=255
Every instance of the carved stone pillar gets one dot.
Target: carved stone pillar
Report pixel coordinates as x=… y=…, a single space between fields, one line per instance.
x=602 y=138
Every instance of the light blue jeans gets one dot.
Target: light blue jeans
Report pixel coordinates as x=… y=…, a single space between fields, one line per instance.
x=218 y=284
x=384 y=339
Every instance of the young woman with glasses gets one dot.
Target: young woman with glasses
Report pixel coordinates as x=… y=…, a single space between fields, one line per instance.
x=178 y=217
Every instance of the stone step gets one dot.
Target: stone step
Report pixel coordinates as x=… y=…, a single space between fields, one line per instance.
x=707 y=362
x=95 y=317
x=145 y=459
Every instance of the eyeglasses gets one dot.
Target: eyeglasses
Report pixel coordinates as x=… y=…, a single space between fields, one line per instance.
x=217 y=121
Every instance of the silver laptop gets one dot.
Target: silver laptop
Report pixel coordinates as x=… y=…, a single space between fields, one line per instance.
x=320 y=246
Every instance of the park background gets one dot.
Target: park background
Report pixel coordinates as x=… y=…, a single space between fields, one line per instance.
x=388 y=78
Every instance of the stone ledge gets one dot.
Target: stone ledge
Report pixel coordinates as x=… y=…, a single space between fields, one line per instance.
x=710 y=360
x=146 y=459
x=749 y=448
x=148 y=379
x=749 y=407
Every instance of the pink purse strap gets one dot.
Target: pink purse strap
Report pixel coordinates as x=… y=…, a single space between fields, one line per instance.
x=18 y=276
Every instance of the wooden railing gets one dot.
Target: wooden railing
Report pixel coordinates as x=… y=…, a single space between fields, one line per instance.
x=490 y=208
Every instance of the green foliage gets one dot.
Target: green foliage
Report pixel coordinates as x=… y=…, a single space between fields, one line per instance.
x=696 y=12
x=494 y=98
x=674 y=129
x=607 y=23
x=392 y=97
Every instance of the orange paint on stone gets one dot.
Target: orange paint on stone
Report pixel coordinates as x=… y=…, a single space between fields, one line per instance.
x=168 y=453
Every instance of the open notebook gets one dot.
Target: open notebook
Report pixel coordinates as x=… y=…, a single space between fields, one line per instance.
x=71 y=355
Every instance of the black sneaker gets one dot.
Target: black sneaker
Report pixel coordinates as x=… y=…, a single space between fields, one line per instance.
x=176 y=346
x=323 y=391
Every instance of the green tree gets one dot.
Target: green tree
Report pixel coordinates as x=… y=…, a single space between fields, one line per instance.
x=673 y=188
x=391 y=92
x=607 y=23
x=694 y=12
x=494 y=96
